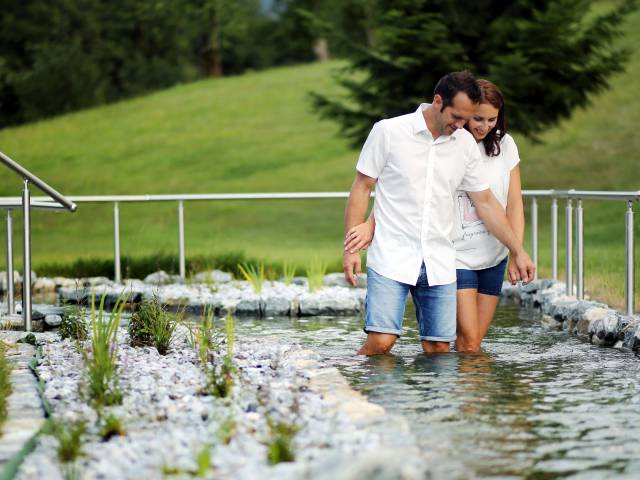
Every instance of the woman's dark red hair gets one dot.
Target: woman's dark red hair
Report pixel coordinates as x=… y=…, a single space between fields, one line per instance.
x=493 y=96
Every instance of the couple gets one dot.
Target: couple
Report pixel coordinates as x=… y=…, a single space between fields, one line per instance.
x=434 y=171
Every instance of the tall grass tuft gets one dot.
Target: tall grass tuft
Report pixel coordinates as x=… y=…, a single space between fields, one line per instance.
x=288 y=272
x=69 y=436
x=111 y=426
x=101 y=361
x=316 y=270
x=153 y=326
x=280 y=446
x=254 y=275
x=5 y=383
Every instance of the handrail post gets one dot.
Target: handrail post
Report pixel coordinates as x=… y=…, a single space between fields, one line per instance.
x=554 y=238
x=11 y=308
x=181 y=238
x=629 y=292
x=579 y=251
x=569 y=248
x=26 y=259
x=116 y=242
x=534 y=233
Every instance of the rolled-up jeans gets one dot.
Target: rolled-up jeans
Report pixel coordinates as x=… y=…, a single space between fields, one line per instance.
x=435 y=306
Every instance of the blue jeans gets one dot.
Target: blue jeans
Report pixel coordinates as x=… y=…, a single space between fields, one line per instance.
x=435 y=306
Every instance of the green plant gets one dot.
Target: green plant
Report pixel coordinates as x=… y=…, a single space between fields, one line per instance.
x=111 y=427
x=71 y=471
x=202 y=337
x=101 y=362
x=73 y=324
x=5 y=383
x=280 y=445
x=316 y=270
x=69 y=436
x=254 y=275
x=152 y=325
x=288 y=272
x=227 y=430
x=29 y=338
x=203 y=461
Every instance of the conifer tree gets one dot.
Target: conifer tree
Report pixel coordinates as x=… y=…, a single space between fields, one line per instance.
x=548 y=57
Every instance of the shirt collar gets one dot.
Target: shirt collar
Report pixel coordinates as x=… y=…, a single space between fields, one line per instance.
x=420 y=125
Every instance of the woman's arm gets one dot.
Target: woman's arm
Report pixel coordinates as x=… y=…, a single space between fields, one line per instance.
x=360 y=236
x=515 y=213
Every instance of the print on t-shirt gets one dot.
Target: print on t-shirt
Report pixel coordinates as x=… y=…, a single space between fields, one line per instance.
x=471 y=224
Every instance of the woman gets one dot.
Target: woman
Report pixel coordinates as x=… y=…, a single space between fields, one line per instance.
x=481 y=259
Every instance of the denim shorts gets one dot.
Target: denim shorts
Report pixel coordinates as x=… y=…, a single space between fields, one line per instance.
x=487 y=281
x=435 y=306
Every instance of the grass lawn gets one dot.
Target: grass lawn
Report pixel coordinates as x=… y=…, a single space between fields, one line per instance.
x=257 y=133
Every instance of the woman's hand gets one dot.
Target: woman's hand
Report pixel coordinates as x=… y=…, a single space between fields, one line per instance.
x=359 y=237
x=513 y=274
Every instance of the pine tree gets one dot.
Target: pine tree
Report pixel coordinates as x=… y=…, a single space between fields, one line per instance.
x=548 y=57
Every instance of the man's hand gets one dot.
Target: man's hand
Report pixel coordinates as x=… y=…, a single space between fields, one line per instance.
x=352 y=266
x=521 y=268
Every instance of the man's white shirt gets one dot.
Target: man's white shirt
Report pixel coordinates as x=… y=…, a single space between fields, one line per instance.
x=417 y=178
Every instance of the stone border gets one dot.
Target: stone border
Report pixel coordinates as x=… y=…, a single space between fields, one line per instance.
x=593 y=321
x=26 y=415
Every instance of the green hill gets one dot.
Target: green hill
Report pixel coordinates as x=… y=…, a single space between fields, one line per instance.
x=258 y=133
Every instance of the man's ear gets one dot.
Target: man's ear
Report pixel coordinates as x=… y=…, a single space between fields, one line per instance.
x=437 y=100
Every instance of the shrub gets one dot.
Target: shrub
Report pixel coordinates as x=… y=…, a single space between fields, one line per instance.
x=153 y=326
x=73 y=324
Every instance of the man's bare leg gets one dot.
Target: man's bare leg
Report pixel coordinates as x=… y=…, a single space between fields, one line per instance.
x=435 y=347
x=377 y=343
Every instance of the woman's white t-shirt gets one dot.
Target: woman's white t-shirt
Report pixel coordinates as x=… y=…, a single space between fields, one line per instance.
x=475 y=247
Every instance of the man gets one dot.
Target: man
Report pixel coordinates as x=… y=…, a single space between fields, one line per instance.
x=417 y=162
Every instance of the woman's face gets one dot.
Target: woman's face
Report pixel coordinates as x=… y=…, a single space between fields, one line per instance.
x=483 y=121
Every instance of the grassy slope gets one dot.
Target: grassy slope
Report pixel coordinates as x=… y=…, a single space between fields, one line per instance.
x=257 y=132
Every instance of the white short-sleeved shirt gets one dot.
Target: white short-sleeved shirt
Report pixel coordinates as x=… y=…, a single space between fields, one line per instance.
x=417 y=178
x=475 y=247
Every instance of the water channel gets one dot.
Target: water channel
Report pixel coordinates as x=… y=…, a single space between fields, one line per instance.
x=535 y=403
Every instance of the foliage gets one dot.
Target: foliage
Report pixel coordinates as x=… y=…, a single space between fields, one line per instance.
x=220 y=375
x=316 y=270
x=73 y=324
x=227 y=430
x=111 y=426
x=254 y=275
x=547 y=56
x=280 y=446
x=288 y=272
x=29 y=338
x=101 y=362
x=5 y=383
x=69 y=436
x=152 y=325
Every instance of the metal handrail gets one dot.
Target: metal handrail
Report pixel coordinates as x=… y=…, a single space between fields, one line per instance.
x=570 y=196
x=46 y=188
x=26 y=204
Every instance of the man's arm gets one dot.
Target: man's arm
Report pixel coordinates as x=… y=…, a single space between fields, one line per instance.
x=492 y=214
x=354 y=214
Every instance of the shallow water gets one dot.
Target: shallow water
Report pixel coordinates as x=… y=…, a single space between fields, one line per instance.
x=534 y=404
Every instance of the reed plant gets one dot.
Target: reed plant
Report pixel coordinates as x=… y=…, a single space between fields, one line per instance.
x=101 y=361
x=254 y=275
x=153 y=326
x=316 y=270
x=203 y=338
x=280 y=446
x=220 y=376
x=69 y=436
x=288 y=272
x=5 y=383
x=111 y=426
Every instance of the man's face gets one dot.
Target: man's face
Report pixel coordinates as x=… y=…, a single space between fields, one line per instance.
x=456 y=115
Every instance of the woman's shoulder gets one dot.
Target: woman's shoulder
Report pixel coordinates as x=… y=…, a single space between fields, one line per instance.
x=509 y=150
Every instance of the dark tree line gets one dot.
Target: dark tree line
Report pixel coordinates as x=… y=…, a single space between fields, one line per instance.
x=63 y=55
x=548 y=57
